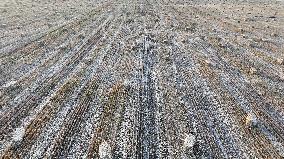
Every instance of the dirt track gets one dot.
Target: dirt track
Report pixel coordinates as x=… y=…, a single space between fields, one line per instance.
x=141 y=79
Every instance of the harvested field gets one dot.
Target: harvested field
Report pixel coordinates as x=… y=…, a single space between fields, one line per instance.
x=141 y=79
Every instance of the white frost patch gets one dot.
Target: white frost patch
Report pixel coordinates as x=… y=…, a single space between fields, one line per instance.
x=189 y=140
x=8 y=84
x=105 y=150
x=126 y=82
x=279 y=148
x=18 y=134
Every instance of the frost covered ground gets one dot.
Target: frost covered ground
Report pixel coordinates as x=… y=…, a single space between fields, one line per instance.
x=141 y=79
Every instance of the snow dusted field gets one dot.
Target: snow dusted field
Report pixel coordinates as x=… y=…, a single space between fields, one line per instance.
x=141 y=79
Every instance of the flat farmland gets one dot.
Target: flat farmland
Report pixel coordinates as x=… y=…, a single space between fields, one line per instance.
x=141 y=79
